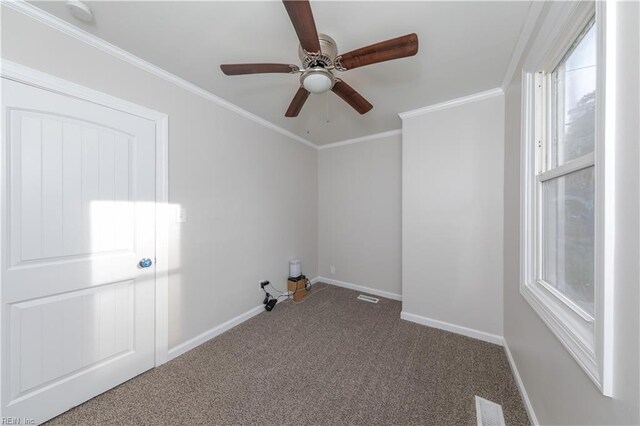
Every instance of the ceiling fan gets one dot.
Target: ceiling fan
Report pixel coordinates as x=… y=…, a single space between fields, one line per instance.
x=319 y=56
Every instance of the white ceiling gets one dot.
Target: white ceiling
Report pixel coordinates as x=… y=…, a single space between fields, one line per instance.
x=465 y=48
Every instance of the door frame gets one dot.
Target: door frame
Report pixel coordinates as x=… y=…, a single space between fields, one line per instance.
x=22 y=74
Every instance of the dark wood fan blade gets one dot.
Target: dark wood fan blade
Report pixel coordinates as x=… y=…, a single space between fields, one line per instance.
x=239 y=69
x=350 y=96
x=302 y=19
x=296 y=104
x=396 y=48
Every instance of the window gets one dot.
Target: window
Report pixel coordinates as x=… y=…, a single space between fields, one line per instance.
x=563 y=174
x=566 y=174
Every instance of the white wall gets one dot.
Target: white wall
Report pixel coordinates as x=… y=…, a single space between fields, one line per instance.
x=251 y=193
x=559 y=390
x=452 y=189
x=359 y=190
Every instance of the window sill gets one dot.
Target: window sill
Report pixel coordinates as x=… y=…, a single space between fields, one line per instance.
x=575 y=334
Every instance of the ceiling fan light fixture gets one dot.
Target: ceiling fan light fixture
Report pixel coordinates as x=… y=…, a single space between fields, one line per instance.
x=317 y=80
x=319 y=59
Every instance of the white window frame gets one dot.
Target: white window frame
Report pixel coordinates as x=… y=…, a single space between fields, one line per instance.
x=587 y=338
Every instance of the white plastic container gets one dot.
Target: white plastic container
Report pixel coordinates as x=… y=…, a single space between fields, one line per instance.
x=294 y=268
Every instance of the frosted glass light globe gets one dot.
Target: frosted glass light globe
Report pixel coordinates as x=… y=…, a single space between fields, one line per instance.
x=317 y=80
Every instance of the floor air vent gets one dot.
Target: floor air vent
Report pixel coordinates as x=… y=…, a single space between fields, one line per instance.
x=488 y=413
x=368 y=298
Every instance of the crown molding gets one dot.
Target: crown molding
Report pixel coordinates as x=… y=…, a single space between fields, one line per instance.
x=362 y=139
x=22 y=74
x=106 y=47
x=453 y=103
x=525 y=34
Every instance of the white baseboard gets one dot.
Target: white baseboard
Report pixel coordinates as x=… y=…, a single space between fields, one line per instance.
x=215 y=331
x=523 y=392
x=465 y=331
x=361 y=288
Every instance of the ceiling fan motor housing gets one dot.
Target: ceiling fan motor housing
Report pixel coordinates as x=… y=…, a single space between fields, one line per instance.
x=324 y=59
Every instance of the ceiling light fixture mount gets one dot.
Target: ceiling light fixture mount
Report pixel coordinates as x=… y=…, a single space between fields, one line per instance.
x=80 y=10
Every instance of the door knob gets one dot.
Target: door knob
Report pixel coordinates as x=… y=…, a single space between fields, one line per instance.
x=145 y=263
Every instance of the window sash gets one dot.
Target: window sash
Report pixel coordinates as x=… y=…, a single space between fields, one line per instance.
x=579 y=163
x=546 y=122
x=538 y=231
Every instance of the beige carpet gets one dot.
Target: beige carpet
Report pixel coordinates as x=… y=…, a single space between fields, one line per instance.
x=328 y=360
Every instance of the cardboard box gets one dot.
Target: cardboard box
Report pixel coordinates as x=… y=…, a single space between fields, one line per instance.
x=297 y=286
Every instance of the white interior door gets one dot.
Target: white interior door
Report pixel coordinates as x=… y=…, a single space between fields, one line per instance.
x=78 y=215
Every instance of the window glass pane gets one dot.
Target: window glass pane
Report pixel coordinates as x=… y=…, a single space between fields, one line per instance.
x=568 y=236
x=575 y=102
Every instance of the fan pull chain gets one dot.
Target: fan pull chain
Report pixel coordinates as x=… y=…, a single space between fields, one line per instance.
x=326 y=103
